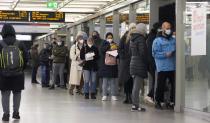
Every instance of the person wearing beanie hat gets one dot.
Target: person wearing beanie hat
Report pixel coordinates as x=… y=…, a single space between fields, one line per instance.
x=14 y=83
x=75 y=79
x=138 y=64
x=151 y=63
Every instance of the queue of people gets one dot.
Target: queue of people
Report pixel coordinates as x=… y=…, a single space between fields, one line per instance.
x=102 y=64
x=98 y=64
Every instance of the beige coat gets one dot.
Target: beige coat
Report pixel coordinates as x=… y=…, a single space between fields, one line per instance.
x=76 y=70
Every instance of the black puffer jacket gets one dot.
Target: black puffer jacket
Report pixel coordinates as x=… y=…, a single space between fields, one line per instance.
x=15 y=83
x=138 y=49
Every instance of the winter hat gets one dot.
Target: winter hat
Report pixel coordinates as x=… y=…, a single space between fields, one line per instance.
x=83 y=34
x=8 y=30
x=141 y=28
x=131 y=26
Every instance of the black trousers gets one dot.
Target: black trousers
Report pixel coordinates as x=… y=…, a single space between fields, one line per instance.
x=152 y=90
x=161 y=86
x=128 y=86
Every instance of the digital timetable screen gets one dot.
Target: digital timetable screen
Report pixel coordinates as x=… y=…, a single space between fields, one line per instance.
x=47 y=17
x=14 y=15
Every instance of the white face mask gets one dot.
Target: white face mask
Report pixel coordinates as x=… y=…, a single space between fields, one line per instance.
x=59 y=43
x=81 y=41
x=168 y=32
x=109 y=40
x=90 y=45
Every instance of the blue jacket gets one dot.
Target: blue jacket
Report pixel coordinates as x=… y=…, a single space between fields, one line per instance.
x=160 y=47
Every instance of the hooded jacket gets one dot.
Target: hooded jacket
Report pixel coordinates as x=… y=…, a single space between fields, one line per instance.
x=15 y=83
x=161 y=46
x=138 y=50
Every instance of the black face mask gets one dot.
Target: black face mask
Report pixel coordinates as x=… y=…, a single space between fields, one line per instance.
x=95 y=37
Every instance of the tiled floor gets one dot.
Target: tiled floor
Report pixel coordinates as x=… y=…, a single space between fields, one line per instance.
x=57 y=106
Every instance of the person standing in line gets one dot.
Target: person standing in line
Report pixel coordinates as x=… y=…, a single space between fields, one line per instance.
x=12 y=80
x=151 y=63
x=163 y=50
x=44 y=58
x=124 y=64
x=76 y=64
x=59 y=53
x=138 y=64
x=89 y=54
x=98 y=42
x=109 y=71
x=34 y=63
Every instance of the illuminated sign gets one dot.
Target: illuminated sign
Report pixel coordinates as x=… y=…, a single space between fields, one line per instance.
x=142 y=18
x=47 y=17
x=14 y=16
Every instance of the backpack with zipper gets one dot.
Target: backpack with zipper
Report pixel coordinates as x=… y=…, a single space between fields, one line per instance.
x=11 y=59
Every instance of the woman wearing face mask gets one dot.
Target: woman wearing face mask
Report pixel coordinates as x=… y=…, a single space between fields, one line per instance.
x=89 y=53
x=76 y=69
x=109 y=72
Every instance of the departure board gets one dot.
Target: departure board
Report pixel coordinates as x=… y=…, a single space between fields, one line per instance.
x=47 y=17
x=14 y=15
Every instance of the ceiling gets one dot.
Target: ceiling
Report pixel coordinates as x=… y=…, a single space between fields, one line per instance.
x=77 y=8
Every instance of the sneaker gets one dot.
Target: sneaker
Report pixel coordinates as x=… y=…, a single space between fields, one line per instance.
x=104 y=98
x=16 y=115
x=114 y=98
x=135 y=108
x=5 y=117
x=149 y=100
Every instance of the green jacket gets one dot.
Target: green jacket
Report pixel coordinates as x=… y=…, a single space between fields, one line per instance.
x=59 y=53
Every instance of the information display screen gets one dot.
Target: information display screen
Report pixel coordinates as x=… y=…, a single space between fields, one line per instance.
x=14 y=15
x=47 y=17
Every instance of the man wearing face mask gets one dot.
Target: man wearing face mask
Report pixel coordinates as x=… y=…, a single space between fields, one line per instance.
x=163 y=50
x=59 y=53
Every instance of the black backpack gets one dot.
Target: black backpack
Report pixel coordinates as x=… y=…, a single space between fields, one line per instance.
x=11 y=59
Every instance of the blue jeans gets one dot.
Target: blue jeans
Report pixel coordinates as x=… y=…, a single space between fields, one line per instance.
x=34 y=72
x=89 y=81
x=45 y=75
x=113 y=86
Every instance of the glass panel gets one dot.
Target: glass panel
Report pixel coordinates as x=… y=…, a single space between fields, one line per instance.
x=197 y=79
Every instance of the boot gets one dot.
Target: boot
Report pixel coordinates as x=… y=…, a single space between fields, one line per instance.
x=126 y=101
x=71 y=90
x=93 y=96
x=86 y=95
x=5 y=117
x=16 y=115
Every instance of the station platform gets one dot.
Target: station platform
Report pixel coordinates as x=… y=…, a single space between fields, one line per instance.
x=41 y=105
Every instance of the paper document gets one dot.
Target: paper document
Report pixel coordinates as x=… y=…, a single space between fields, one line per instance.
x=113 y=53
x=89 y=56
